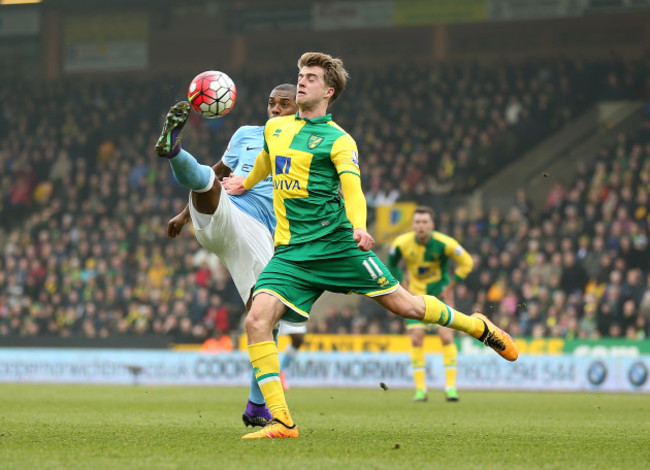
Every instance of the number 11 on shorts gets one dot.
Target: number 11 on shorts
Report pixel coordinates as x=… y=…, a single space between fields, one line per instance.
x=372 y=268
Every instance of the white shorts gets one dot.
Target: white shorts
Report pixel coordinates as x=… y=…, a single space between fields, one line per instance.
x=287 y=328
x=242 y=243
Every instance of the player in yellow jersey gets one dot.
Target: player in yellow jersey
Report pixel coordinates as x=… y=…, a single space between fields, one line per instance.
x=321 y=238
x=426 y=254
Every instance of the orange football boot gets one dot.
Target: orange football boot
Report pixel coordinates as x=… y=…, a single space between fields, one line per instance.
x=497 y=339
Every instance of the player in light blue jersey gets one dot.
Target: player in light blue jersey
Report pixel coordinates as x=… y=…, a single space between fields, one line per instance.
x=238 y=229
x=244 y=145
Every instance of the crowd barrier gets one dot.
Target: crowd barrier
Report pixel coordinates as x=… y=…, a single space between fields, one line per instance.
x=563 y=372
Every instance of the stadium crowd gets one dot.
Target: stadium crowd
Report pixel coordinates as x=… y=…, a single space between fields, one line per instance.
x=578 y=267
x=84 y=203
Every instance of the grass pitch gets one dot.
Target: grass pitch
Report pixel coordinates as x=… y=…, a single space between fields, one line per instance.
x=94 y=427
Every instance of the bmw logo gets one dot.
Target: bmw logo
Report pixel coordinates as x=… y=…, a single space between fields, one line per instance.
x=638 y=374
x=597 y=373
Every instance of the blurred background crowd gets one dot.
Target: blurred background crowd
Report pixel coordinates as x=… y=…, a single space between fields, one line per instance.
x=84 y=201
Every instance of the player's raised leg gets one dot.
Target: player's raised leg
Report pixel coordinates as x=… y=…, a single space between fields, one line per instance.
x=188 y=172
x=169 y=142
x=432 y=310
x=265 y=312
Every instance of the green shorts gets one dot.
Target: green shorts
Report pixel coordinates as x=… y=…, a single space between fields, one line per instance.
x=412 y=324
x=298 y=284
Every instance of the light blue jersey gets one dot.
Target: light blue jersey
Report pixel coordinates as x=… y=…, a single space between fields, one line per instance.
x=240 y=157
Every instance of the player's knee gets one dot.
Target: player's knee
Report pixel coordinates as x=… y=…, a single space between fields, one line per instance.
x=417 y=342
x=413 y=306
x=417 y=336
x=446 y=337
x=406 y=305
x=255 y=321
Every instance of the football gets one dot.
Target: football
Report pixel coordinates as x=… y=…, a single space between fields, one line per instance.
x=212 y=94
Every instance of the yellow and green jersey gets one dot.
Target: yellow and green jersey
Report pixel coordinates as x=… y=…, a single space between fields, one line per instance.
x=428 y=264
x=305 y=158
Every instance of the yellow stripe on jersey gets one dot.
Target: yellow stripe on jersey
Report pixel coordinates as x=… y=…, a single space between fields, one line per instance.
x=261 y=170
x=287 y=186
x=283 y=130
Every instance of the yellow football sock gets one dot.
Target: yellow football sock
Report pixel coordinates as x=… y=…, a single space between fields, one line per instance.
x=266 y=364
x=449 y=362
x=419 y=367
x=438 y=312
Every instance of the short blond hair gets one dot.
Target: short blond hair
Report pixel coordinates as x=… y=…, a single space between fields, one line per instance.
x=335 y=74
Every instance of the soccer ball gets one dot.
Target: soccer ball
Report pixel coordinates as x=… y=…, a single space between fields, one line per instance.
x=212 y=94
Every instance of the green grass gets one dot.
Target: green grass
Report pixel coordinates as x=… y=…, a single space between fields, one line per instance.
x=93 y=427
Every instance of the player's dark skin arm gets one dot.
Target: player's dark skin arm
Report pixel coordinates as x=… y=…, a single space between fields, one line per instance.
x=205 y=203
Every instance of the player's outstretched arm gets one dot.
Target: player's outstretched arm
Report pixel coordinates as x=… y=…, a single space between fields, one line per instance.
x=448 y=293
x=221 y=170
x=464 y=265
x=355 y=209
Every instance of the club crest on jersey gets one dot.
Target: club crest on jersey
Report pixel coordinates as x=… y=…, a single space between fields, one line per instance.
x=314 y=141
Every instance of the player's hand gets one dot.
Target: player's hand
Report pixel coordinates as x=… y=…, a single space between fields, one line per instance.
x=176 y=224
x=365 y=242
x=447 y=294
x=233 y=184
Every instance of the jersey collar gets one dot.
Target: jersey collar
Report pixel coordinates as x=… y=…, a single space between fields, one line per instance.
x=318 y=120
x=415 y=237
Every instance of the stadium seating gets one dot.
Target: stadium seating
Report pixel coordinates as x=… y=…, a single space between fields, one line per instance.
x=84 y=203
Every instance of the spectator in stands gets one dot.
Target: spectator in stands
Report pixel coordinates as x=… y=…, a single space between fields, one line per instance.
x=573 y=278
x=82 y=250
